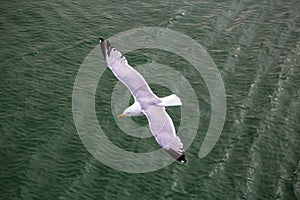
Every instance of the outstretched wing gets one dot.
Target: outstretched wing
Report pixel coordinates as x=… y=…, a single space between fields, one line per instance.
x=118 y=64
x=162 y=127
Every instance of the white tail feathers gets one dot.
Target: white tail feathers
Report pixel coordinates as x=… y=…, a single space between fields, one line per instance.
x=171 y=100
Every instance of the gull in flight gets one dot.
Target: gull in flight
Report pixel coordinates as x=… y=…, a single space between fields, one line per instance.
x=145 y=102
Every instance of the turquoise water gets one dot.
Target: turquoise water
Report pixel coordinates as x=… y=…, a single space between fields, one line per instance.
x=256 y=47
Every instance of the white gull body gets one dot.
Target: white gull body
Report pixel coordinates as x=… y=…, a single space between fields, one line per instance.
x=146 y=102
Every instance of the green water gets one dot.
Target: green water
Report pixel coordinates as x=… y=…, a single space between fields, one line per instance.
x=256 y=46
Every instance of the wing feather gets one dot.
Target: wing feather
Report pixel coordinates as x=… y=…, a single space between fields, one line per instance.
x=132 y=79
x=162 y=127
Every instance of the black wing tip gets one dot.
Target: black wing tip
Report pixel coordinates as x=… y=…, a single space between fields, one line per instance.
x=182 y=159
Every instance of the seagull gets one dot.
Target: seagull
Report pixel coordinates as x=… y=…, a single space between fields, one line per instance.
x=145 y=102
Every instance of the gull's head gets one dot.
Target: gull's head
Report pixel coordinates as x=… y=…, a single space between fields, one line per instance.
x=133 y=110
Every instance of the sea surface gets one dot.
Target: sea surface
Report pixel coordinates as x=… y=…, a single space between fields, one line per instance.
x=254 y=44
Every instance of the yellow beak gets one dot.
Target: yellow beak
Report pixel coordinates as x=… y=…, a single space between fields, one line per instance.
x=121 y=115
